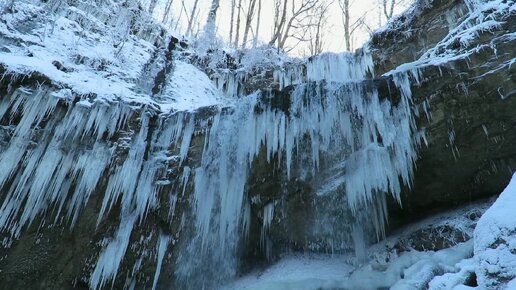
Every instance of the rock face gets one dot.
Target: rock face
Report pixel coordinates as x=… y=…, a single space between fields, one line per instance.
x=469 y=124
x=495 y=242
x=121 y=193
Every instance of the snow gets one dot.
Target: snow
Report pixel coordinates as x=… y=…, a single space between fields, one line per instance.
x=89 y=62
x=189 y=89
x=482 y=17
x=495 y=241
x=384 y=268
x=296 y=272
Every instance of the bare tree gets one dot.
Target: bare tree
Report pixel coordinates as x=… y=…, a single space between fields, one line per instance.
x=192 y=17
x=388 y=8
x=152 y=6
x=257 y=32
x=316 y=31
x=212 y=14
x=210 y=27
x=232 y=21
x=350 y=27
x=166 y=11
x=248 y=20
x=288 y=24
x=237 y=30
x=344 y=6
x=178 y=20
x=280 y=15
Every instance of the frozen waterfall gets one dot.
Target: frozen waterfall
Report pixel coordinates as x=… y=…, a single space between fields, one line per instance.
x=330 y=111
x=59 y=150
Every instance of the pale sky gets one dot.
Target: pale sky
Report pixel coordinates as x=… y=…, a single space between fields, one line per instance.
x=334 y=40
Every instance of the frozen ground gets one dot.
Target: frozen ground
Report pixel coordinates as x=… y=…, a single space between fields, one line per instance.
x=392 y=263
x=298 y=272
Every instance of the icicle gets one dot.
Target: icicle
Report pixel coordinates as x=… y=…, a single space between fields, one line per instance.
x=485 y=130
x=125 y=179
x=112 y=255
x=186 y=138
x=359 y=242
x=162 y=248
x=184 y=179
x=268 y=214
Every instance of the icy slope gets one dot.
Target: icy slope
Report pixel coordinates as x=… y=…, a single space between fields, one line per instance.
x=495 y=242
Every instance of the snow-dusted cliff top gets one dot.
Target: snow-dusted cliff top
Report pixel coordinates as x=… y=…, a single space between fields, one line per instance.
x=90 y=52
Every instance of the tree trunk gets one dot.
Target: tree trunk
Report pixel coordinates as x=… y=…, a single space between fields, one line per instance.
x=212 y=14
x=344 y=6
x=237 y=32
x=279 y=22
x=347 y=34
x=152 y=6
x=388 y=11
x=255 y=41
x=232 y=21
x=248 y=21
x=192 y=17
x=166 y=12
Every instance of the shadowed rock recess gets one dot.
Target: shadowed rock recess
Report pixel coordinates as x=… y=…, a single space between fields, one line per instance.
x=131 y=161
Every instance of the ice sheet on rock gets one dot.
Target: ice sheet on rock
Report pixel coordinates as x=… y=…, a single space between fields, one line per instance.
x=340 y=67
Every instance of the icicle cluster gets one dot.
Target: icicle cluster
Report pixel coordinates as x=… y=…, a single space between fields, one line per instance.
x=339 y=67
x=56 y=159
x=331 y=67
x=58 y=156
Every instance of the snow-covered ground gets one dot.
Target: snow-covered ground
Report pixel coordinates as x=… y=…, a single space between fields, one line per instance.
x=298 y=272
x=495 y=242
x=490 y=255
x=392 y=263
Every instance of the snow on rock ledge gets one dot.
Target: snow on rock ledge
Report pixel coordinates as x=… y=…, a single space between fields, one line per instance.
x=495 y=241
